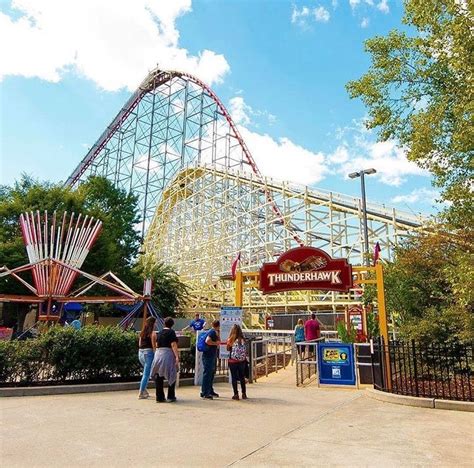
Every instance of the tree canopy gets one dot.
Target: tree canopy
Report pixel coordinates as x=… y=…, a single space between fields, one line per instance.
x=419 y=90
x=429 y=287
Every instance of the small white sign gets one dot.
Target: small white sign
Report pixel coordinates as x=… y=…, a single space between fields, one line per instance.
x=229 y=317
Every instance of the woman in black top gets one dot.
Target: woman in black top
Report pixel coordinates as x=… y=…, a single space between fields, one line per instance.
x=145 y=354
x=166 y=362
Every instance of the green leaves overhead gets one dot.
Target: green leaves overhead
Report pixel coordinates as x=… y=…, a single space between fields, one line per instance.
x=419 y=90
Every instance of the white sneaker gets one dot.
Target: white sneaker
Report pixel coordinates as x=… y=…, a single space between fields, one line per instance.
x=146 y=393
x=142 y=396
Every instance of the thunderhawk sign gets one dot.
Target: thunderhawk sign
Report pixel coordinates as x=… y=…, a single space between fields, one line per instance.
x=306 y=268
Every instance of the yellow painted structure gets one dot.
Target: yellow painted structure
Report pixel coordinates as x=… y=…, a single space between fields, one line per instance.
x=364 y=275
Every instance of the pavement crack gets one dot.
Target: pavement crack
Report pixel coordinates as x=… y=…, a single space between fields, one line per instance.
x=301 y=426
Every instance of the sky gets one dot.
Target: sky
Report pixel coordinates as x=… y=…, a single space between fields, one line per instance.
x=280 y=67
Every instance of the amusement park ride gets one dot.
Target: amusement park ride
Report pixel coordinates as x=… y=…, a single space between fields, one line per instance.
x=204 y=201
x=57 y=247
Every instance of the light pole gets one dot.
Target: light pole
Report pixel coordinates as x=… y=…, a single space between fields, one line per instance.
x=361 y=174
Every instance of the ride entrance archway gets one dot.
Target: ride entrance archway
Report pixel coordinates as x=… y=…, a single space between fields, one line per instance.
x=309 y=268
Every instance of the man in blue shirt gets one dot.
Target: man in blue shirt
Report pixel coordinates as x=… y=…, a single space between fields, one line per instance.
x=209 y=357
x=197 y=324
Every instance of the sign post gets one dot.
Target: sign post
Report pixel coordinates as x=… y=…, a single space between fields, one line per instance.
x=230 y=316
x=306 y=268
x=336 y=364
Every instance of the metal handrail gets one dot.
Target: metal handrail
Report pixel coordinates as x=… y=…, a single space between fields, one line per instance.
x=274 y=347
x=306 y=345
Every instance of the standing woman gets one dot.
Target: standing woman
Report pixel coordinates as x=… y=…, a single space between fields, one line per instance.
x=146 y=350
x=166 y=362
x=237 y=359
x=299 y=335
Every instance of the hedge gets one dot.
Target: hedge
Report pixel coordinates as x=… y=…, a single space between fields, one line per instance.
x=65 y=355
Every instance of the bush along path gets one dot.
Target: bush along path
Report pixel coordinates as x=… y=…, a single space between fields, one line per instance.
x=64 y=355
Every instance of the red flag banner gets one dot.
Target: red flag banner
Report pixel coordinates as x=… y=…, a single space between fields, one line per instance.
x=377 y=251
x=235 y=264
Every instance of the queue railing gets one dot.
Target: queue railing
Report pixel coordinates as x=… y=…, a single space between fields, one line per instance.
x=269 y=354
x=307 y=361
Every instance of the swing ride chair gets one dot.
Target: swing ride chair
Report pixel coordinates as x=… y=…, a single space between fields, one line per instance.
x=57 y=248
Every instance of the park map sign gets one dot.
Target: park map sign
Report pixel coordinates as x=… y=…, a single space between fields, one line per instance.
x=306 y=268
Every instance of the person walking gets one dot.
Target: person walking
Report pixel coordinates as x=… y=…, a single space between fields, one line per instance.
x=237 y=359
x=312 y=329
x=299 y=335
x=145 y=354
x=209 y=357
x=166 y=362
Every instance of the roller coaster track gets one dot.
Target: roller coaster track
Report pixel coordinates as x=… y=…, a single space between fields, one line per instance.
x=154 y=80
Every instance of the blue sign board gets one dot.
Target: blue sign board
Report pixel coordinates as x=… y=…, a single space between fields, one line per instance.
x=336 y=364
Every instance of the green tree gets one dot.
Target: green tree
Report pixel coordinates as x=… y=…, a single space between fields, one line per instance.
x=116 y=248
x=429 y=287
x=169 y=293
x=419 y=90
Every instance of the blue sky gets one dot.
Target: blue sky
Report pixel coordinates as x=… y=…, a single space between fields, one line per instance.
x=280 y=67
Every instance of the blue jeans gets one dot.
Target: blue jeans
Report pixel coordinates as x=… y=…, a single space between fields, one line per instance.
x=145 y=357
x=209 y=364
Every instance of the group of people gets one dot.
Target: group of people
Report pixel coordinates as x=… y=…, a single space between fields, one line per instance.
x=307 y=331
x=159 y=356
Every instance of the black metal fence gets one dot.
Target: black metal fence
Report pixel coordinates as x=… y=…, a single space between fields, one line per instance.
x=444 y=371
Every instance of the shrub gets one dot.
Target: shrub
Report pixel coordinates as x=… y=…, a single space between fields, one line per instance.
x=92 y=354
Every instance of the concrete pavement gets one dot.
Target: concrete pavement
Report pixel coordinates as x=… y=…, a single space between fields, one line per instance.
x=280 y=425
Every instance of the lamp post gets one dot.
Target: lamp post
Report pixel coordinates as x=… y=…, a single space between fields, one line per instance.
x=361 y=174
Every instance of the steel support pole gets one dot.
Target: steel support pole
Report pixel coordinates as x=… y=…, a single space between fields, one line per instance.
x=364 y=218
x=239 y=289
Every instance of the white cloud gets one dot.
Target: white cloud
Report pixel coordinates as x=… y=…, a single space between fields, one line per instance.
x=383 y=6
x=298 y=15
x=340 y=155
x=386 y=157
x=302 y=16
x=321 y=14
x=422 y=195
x=239 y=110
x=365 y=22
x=244 y=114
x=283 y=159
x=363 y=152
x=113 y=43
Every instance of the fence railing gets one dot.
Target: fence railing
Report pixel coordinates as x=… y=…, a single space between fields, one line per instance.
x=270 y=353
x=307 y=361
x=442 y=371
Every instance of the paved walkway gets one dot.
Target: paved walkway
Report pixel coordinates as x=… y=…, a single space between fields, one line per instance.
x=280 y=425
